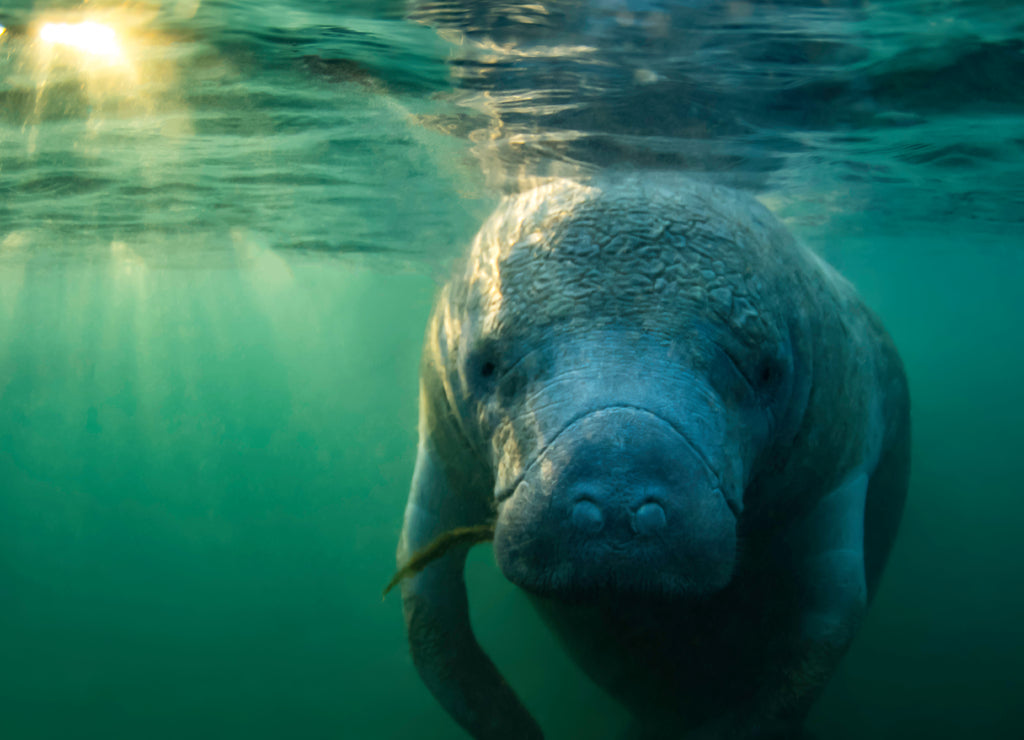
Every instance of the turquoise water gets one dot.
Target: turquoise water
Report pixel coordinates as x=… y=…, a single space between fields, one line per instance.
x=218 y=249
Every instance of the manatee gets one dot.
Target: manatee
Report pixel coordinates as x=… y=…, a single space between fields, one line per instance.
x=691 y=440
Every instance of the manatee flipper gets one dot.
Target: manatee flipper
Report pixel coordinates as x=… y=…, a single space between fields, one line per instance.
x=444 y=649
x=826 y=553
x=829 y=545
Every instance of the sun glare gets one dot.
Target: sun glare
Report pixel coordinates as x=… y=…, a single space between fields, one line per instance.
x=92 y=38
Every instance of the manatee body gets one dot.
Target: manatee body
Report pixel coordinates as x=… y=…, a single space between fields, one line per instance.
x=692 y=439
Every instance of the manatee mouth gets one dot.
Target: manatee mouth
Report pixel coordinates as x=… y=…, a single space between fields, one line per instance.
x=507 y=491
x=618 y=501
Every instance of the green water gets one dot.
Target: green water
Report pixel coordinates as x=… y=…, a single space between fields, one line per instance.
x=204 y=473
x=212 y=299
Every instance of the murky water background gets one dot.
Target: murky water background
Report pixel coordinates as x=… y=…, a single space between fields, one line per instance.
x=218 y=248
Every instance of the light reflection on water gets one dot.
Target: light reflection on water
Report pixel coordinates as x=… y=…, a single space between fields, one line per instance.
x=88 y=36
x=198 y=129
x=314 y=125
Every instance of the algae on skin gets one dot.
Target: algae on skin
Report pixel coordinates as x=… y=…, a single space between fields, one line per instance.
x=441 y=544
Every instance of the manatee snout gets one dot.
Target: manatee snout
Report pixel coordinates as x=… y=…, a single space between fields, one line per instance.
x=618 y=502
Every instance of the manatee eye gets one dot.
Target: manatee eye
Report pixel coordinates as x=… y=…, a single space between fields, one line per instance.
x=768 y=373
x=483 y=368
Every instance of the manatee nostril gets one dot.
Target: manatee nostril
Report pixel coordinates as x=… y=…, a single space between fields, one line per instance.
x=649 y=518
x=587 y=517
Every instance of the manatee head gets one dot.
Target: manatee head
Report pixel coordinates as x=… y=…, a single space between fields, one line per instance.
x=618 y=358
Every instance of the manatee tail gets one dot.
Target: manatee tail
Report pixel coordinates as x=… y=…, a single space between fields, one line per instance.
x=440 y=545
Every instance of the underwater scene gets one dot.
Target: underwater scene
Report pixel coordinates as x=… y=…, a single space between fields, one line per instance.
x=224 y=224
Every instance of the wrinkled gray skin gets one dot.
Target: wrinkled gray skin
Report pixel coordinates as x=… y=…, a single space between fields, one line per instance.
x=693 y=438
